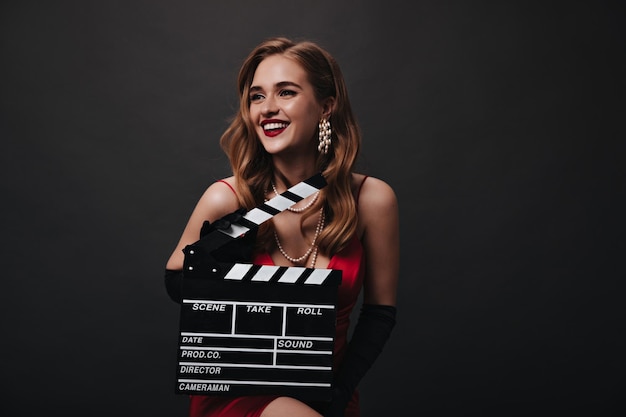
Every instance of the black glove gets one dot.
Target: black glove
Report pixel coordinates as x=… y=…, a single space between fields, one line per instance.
x=372 y=330
x=212 y=248
x=174 y=284
x=229 y=249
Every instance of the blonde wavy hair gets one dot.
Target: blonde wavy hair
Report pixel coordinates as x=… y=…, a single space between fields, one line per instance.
x=252 y=165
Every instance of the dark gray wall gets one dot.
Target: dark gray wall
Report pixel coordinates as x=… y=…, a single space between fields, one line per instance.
x=499 y=124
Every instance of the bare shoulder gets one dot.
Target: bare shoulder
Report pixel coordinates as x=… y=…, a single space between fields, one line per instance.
x=219 y=199
x=373 y=194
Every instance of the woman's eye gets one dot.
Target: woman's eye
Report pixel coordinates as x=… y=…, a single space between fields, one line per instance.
x=256 y=97
x=287 y=93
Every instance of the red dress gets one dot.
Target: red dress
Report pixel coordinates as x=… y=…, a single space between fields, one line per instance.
x=350 y=262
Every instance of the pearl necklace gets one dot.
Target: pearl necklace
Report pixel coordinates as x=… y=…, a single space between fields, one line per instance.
x=301 y=209
x=318 y=229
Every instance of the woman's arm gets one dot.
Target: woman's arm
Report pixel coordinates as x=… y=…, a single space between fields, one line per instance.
x=217 y=201
x=379 y=219
x=378 y=222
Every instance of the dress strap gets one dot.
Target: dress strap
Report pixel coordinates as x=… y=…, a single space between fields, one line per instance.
x=229 y=186
x=358 y=193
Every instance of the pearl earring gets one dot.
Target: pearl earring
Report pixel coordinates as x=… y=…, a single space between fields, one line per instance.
x=324 y=135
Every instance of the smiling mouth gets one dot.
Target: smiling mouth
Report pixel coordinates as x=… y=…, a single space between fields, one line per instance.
x=274 y=128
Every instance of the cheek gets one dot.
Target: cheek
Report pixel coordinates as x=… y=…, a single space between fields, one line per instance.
x=253 y=116
x=253 y=112
x=306 y=114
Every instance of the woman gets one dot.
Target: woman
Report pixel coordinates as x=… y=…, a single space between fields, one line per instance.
x=294 y=121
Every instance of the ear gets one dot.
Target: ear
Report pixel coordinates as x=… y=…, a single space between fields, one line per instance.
x=328 y=106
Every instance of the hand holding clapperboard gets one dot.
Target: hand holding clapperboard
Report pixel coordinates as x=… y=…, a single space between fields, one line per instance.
x=249 y=329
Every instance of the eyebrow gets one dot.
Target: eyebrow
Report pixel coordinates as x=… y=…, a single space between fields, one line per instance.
x=281 y=84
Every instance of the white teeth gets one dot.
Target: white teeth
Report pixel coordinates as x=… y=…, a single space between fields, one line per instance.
x=271 y=126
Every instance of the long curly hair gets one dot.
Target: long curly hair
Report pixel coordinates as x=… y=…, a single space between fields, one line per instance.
x=252 y=165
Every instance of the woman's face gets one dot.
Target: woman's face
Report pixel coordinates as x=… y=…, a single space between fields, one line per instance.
x=283 y=107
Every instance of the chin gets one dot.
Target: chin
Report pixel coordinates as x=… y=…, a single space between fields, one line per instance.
x=272 y=150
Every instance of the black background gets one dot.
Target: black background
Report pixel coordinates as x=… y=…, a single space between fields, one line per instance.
x=499 y=124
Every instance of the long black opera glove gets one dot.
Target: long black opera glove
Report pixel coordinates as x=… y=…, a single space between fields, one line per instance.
x=215 y=247
x=174 y=284
x=372 y=330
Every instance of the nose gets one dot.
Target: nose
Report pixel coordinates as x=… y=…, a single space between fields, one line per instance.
x=270 y=106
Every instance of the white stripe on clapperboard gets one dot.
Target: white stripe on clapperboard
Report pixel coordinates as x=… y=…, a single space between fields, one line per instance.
x=266 y=272
x=248 y=365
x=257 y=215
x=235 y=382
x=238 y=349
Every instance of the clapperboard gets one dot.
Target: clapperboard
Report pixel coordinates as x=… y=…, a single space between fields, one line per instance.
x=251 y=330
